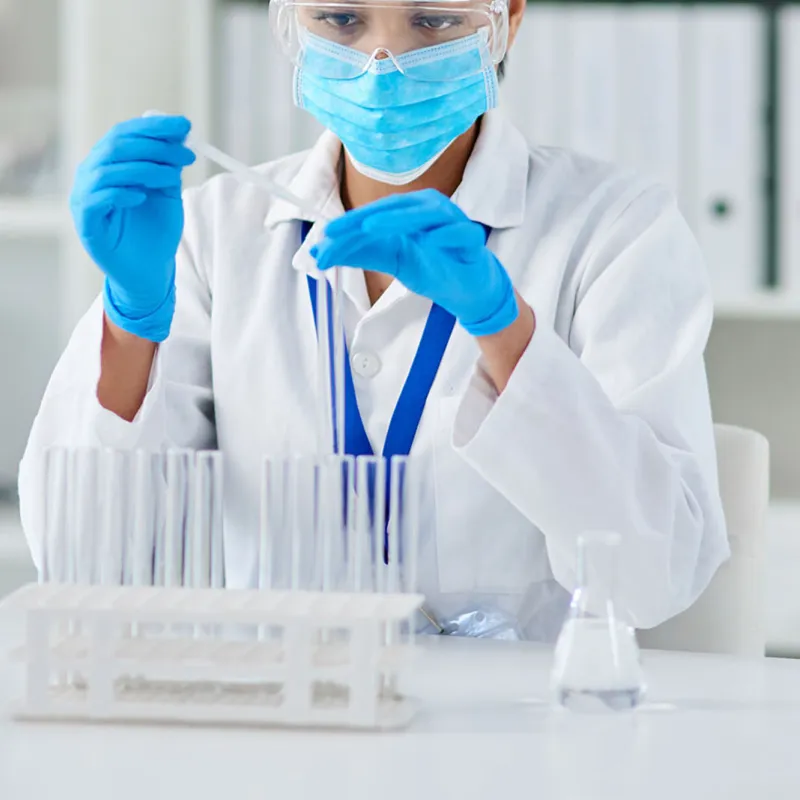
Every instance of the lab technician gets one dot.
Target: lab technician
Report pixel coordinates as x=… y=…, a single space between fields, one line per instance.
x=551 y=311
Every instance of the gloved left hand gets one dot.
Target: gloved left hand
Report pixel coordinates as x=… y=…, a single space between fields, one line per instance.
x=425 y=241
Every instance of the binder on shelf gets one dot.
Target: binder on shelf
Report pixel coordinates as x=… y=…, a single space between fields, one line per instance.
x=649 y=101
x=532 y=92
x=259 y=120
x=239 y=84
x=723 y=87
x=276 y=115
x=789 y=150
x=591 y=71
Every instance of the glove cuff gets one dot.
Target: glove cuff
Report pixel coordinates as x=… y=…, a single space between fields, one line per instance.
x=154 y=325
x=505 y=313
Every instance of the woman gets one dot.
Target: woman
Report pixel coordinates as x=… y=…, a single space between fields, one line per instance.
x=572 y=305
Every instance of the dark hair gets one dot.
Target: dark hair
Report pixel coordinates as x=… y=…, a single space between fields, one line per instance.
x=501 y=69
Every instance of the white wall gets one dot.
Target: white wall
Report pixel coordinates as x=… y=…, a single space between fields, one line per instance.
x=29 y=42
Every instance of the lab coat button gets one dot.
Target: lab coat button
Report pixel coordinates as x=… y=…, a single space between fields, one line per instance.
x=366 y=365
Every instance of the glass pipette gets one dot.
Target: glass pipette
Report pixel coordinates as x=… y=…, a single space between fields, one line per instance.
x=248 y=175
x=328 y=430
x=245 y=173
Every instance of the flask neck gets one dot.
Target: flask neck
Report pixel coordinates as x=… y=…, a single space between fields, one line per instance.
x=596 y=577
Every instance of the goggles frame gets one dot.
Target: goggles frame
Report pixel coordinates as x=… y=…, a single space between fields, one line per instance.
x=291 y=35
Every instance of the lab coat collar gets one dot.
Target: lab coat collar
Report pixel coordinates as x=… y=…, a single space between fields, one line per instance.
x=495 y=183
x=317 y=181
x=492 y=192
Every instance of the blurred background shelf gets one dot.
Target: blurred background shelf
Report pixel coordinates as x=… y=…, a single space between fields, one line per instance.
x=759 y=305
x=69 y=70
x=32 y=217
x=12 y=542
x=16 y=567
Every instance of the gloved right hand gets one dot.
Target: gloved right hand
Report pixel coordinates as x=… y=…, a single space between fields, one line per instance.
x=128 y=212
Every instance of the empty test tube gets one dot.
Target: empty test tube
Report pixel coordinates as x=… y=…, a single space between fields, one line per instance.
x=52 y=563
x=207 y=518
x=177 y=472
x=140 y=560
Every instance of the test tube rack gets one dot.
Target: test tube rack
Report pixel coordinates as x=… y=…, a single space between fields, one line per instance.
x=212 y=656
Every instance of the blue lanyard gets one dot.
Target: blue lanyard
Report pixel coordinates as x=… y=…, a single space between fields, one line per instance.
x=411 y=403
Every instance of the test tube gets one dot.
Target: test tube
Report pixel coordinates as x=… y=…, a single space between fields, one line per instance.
x=367 y=554
x=270 y=473
x=379 y=524
x=336 y=512
x=292 y=515
x=55 y=546
x=286 y=509
x=187 y=578
x=409 y=538
x=349 y=519
x=112 y=514
x=396 y=480
x=177 y=490
x=217 y=522
x=201 y=542
x=208 y=546
x=360 y=555
x=324 y=398
x=139 y=569
x=328 y=506
x=70 y=544
x=273 y=543
x=339 y=352
x=403 y=529
x=83 y=485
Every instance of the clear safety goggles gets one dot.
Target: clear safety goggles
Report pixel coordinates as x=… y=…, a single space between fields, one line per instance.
x=344 y=40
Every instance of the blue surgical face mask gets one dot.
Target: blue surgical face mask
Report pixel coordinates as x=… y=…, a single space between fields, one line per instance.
x=397 y=117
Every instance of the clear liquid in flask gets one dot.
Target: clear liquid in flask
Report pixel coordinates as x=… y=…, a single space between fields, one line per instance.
x=597 y=666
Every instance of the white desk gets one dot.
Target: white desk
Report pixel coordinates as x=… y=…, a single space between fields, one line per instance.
x=734 y=734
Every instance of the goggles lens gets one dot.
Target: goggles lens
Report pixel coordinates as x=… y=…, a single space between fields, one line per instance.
x=342 y=41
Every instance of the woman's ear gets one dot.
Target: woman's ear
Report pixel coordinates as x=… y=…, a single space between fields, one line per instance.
x=516 y=11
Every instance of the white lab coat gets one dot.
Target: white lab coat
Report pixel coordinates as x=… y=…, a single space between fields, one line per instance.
x=605 y=422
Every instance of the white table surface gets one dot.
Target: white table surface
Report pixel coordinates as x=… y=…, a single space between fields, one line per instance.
x=718 y=728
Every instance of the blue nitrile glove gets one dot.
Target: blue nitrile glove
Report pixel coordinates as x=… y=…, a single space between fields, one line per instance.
x=425 y=241
x=127 y=207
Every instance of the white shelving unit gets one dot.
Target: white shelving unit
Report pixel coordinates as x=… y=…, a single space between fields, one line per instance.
x=764 y=305
x=80 y=66
x=32 y=217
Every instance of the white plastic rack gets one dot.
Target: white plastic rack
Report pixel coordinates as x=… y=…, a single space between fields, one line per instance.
x=215 y=656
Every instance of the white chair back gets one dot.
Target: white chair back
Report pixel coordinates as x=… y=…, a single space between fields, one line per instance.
x=730 y=616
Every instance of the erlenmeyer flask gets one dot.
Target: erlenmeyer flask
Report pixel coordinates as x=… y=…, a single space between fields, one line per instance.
x=597 y=666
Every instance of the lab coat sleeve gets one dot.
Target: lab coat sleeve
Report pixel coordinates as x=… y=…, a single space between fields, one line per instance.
x=178 y=400
x=612 y=429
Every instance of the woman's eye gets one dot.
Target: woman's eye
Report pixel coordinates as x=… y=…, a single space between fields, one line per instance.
x=336 y=20
x=439 y=22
